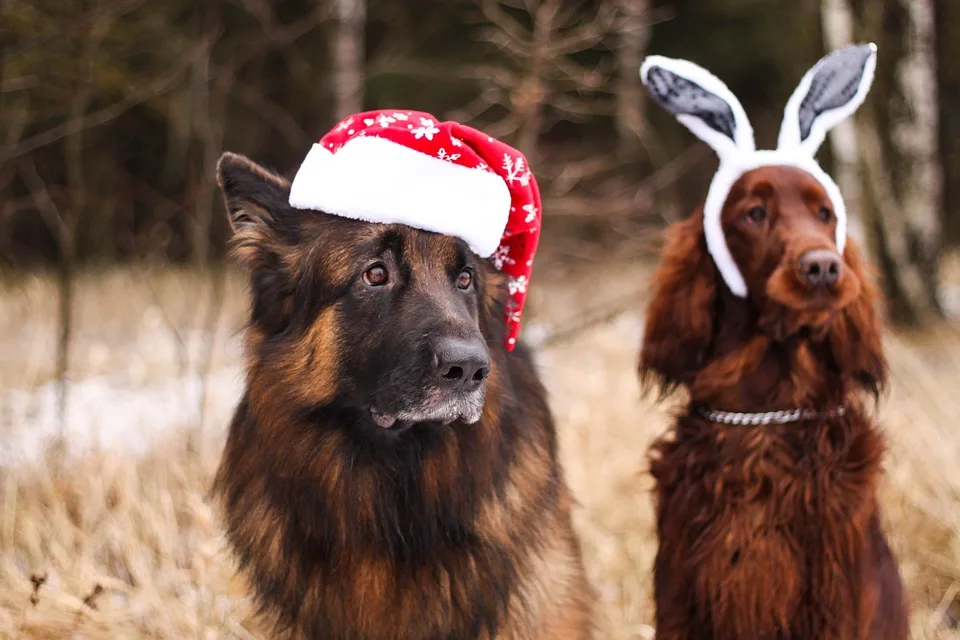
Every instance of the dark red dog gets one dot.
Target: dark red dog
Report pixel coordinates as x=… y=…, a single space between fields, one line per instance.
x=770 y=530
x=767 y=509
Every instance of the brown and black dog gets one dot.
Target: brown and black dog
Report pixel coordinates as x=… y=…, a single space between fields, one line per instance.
x=366 y=493
x=774 y=530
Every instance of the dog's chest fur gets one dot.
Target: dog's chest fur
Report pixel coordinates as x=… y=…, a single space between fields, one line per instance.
x=467 y=538
x=770 y=524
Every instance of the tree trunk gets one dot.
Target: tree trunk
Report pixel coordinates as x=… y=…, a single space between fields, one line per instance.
x=348 y=57
x=634 y=34
x=947 y=44
x=528 y=99
x=837 y=22
x=200 y=118
x=897 y=135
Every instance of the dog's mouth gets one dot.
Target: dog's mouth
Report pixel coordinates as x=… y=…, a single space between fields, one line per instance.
x=795 y=308
x=787 y=290
x=781 y=323
x=466 y=408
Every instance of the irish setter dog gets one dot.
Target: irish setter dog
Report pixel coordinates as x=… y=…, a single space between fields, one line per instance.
x=770 y=530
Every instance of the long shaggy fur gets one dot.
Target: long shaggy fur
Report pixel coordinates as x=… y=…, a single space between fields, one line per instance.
x=349 y=531
x=771 y=531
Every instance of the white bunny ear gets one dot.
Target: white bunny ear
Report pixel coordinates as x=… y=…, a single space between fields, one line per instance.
x=701 y=102
x=829 y=93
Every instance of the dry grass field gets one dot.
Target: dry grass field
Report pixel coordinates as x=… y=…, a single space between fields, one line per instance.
x=126 y=542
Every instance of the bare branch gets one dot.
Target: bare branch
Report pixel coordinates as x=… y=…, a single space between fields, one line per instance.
x=348 y=56
x=285 y=124
x=64 y=29
x=279 y=38
x=77 y=124
x=601 y=315
x=582 y=77
x=633 y=37
x=585 y=35
x=64 y=233
x=41 y=196
x=218 y=279
x=508 y=25
x=578 y=108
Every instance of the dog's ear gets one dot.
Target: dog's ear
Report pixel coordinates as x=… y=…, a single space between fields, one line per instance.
x=265 y=233
x=856 y=338
x=257 y=207
x=827 y=94
x=681 y=315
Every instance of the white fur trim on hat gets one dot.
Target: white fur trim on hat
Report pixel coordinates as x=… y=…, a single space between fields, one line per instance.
x=829 y=92
x=377 y=180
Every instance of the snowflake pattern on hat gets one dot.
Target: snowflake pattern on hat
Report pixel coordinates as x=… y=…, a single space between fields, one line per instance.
x=507 y=212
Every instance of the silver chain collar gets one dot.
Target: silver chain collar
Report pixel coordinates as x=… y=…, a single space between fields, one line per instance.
x=768 y=417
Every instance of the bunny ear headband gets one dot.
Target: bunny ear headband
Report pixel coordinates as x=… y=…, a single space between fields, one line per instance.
x=829 y=93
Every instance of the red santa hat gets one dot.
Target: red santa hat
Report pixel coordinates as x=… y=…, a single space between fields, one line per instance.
x=406 y=167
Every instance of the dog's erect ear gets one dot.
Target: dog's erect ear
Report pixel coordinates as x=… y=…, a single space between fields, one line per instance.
x=828 y=94
x=265 y=235
x=701 y=102
x=257 y=206
x=681 y=314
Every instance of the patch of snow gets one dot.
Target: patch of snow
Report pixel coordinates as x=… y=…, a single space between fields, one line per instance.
x=110 y=413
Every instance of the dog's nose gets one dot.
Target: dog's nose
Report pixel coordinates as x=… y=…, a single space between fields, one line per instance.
x=820 y=267
x=461 y=364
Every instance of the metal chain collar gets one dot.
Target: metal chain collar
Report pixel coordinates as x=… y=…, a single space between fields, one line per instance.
x=768 y=417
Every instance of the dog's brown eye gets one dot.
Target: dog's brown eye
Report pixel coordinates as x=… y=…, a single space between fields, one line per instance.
x=757 y=214
x=376 y=275
x=825 y=214
x=465 y=279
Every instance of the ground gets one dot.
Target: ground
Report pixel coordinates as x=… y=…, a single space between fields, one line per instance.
x=121 y=527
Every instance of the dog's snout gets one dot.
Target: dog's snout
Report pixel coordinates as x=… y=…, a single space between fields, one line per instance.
x=462 y=365
x=820 y=267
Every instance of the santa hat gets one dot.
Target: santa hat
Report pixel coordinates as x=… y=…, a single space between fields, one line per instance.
x=829 y=93
x=405 y=167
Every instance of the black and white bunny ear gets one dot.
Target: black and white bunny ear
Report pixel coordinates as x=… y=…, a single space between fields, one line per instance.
x=701 y=102
x=828 y=94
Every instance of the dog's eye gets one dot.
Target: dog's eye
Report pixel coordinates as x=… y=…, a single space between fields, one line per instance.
x=757 y=214
x=376 y=275
x=465 y=279
x=825 y=214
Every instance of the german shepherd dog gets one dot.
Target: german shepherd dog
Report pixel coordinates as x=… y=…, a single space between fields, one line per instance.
x=391 y=469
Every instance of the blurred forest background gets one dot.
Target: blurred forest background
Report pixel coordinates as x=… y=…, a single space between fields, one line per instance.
x=121 y=318
x=113 y=112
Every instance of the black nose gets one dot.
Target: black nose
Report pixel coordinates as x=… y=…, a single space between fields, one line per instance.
x=461 y=364
x=820 y=267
